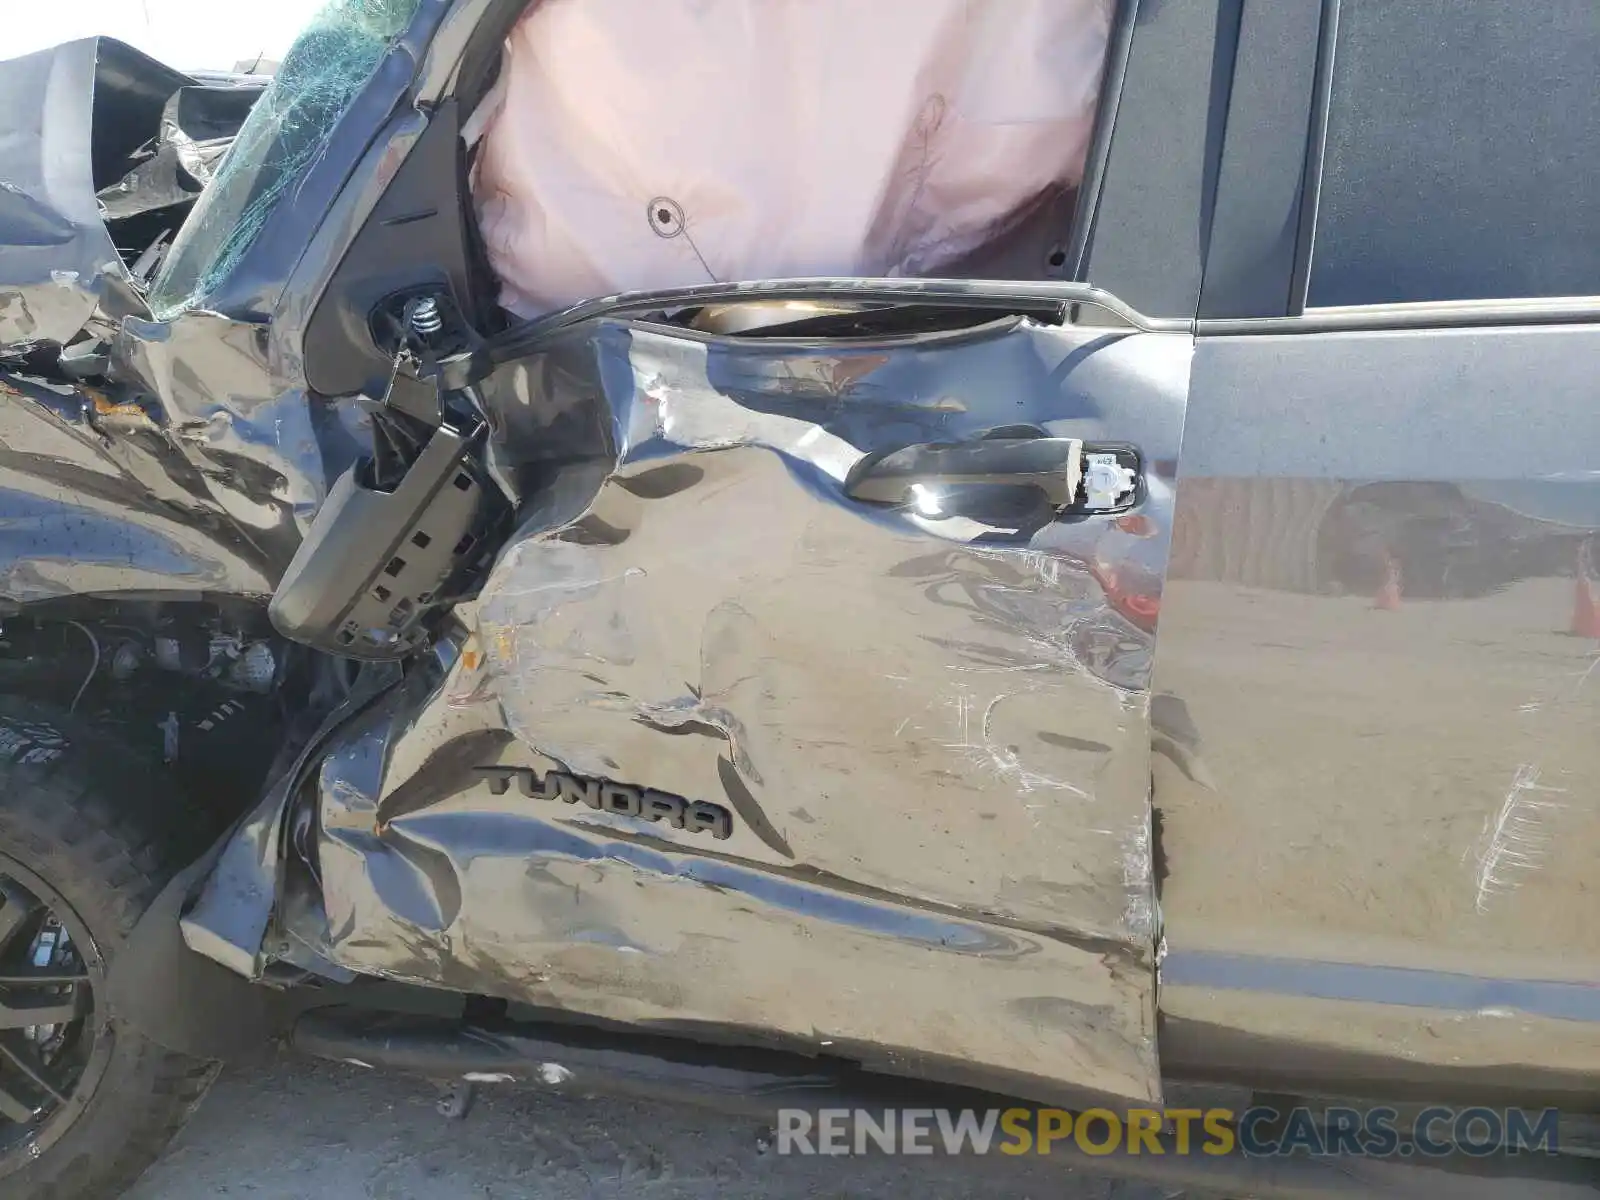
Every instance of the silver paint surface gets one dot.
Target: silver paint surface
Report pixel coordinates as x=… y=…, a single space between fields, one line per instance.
x=198 y=465
x=932 y=729
x=193 y=474
x=57 y=261
x=1380 y=826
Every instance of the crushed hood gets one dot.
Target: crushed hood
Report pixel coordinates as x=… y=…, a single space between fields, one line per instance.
x=92 y=131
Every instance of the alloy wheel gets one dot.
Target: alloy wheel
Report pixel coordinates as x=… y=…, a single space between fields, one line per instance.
x=52 y=1047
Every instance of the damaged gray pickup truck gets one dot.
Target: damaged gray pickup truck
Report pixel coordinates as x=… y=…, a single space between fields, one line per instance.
x=816 y=552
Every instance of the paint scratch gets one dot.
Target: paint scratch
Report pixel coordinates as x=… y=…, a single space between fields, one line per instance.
x=1514 y=841
x=1594 y=662
x=1003 y=761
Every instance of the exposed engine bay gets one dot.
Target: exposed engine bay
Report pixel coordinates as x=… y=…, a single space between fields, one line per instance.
x=210 y=692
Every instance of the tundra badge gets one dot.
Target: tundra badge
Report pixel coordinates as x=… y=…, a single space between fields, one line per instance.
x=625 y=800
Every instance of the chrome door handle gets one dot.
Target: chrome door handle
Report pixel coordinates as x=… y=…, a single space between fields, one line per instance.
x=1071 y=475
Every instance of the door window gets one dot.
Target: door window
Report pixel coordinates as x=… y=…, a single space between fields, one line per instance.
x=1461 y=147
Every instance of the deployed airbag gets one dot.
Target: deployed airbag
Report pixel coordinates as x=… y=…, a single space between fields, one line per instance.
x=640 y=144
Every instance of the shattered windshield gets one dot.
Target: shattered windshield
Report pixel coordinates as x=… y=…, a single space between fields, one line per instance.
x=319 y=79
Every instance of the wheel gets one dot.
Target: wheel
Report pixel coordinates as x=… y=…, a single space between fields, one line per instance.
x=86 y=1103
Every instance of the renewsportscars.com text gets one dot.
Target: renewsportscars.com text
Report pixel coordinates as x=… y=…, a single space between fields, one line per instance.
x=1256 y=1132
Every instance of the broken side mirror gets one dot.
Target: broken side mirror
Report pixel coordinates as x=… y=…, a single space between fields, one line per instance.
x=379 y=563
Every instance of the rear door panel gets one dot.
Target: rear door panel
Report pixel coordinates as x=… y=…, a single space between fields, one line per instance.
x=1379 y=826
x=1376 y=700
x=929 y=733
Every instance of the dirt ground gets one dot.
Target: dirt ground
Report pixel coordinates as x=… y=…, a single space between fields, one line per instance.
x=296 y=1129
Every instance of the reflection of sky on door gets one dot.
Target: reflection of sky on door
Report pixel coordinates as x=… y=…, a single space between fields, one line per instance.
x=1553 y=499
x=187 y=34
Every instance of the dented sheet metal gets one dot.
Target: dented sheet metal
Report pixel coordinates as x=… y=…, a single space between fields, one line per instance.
x=928 y=730
x=198 y=125
x=196 y=473
x=188 y=466
x=57 y=261
x=349 y=46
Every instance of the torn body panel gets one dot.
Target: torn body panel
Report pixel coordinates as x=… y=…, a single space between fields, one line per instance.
x=781 y=720
x=198 y=125
x=102 y=152
x=140 y=457
x=194 y=474
x=58 y=264
x=927 y=723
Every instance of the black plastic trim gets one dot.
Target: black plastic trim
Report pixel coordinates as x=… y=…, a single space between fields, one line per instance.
x=1003 y=297
x=1161 y=165
x=1316 y=147
x=1466 y=314
x=1260 y=192
x=1105 y=118
x=415 y=239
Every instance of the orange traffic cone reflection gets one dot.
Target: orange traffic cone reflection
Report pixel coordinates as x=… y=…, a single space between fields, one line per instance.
x=1388 y=597
x=1585 y=612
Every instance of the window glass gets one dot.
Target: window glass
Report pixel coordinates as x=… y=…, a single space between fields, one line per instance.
x=320 y=77
x=1463 y=153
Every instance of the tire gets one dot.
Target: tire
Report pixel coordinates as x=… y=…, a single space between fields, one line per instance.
x=81 y=831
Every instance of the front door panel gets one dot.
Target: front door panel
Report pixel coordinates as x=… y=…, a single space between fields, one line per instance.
x=868 y=778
